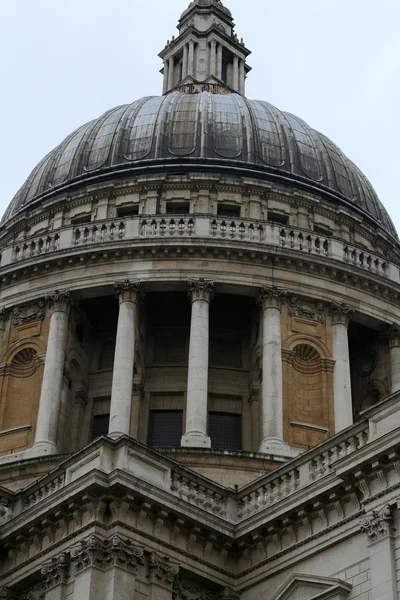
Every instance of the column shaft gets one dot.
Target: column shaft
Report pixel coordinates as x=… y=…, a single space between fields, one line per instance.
x=197 y=387
x=50 y=398
x=341 y=377
x=171 y=69
x=236 y=73
x=191 y=59
x=394 y=356
x=124 y=360
x=166 y=76
x=242 y=77
x=185 y=62
x=219 y=61
x=213 y=58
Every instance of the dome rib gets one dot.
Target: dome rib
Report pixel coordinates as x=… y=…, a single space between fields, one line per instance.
x=202 y=129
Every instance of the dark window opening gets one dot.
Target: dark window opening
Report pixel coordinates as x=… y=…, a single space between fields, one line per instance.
x=81 y=220
x=165 y=428
x=225 y=430
x=80 y=331
x=224 y=74
x=100 y=426
x=128 y=211
x=278 y=218
x=178 y=208
x=228 y=210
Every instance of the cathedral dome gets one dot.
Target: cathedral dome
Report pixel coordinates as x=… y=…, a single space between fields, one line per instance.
x=181 y=131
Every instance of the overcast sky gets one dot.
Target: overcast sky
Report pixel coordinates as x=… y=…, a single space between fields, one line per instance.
x=335 y=63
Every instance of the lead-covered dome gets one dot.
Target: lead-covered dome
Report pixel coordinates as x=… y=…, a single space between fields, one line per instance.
x=180 y=132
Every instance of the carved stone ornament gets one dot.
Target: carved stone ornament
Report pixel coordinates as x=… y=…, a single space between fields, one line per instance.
x=7 y=594
x=162 y=571
x=60 y=300
x=128 y=290
x=201 y=289
x=340 y=314
x=122 y=553
x=3 y=318
x=56 y=571
x=89 y=553
x=28 y=314
x=379 y=524
x=272 y=297
x=228 y=594
x=5 y=512
x=184 y=589
x=314 y=311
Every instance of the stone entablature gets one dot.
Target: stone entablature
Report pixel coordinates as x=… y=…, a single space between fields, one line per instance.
x=350 y=481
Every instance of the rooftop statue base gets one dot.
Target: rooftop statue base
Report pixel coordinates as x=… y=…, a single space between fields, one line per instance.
x=196 y=440
x=277 y=447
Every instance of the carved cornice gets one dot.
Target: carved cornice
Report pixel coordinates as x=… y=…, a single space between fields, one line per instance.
x=162 y=570
x=59 y=301
x=128 y=291
x=200 y=289
x=340 y=314
x=272 y=297
x=379 y=524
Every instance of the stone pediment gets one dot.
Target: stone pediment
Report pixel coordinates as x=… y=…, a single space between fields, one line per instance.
x=311 y=587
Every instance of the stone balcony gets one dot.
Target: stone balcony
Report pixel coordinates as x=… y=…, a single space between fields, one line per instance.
x=245 y=235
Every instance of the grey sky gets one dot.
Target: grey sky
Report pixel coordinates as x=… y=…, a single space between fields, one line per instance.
x=335 y=63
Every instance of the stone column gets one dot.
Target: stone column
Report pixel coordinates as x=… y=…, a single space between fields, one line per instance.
x=171 y=73
x=201 y=293
x=162 y=573
x=242 y=77
x=3 y=319
x=124 y=359
x=236 y=73
x=185 y=61
x=340 y=315
x=166 y=76
x=50 y=398
x=191 y=59
x=219 y=61
x=380 y=531
x=272 y=395
x=394 y=357
x=213 y=58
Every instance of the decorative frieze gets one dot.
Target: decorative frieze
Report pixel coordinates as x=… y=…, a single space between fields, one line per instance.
x=28 y=314
x=201 y=289
x=314 y=311
x=379 y=524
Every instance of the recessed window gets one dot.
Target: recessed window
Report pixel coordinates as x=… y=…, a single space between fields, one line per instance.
x=178 y=208
x=228 y=210
x=225 y=430
x=165 y=428
x=278 y=218
x=128 y=211
x=81 y=220
x=100 y=425
x=322 y=231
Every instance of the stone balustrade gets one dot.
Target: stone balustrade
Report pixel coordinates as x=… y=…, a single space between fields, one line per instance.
x=247 y=231
x=41 y=491
x=193 y=490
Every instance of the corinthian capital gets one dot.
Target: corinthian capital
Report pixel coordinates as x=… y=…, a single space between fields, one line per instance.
x=379 y=524
x=128 y=290
x=272 y=297
x=393 y=336
x=340 y=314
x=56 y=571
x=60 y=300
x=162 y=570
x=201 y=289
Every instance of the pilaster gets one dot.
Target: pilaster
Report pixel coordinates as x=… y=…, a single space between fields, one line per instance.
x=162 y=573
x=340 y=319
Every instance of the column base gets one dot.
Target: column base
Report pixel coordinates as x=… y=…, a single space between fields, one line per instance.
x=114 y=435
x=277 y=447
x=43 y=448
x=195 y=440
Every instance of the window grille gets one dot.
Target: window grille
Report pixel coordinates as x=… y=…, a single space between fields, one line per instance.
x=165 y=428
x=225 y=430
